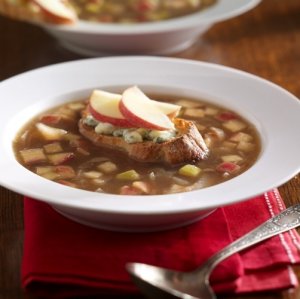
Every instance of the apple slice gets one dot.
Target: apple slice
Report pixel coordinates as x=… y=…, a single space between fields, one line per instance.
x=104 y=107
x=171 y=110
x=57 y=11
x=50 y=133
x=142 y=112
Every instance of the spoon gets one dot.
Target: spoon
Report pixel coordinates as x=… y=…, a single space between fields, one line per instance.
x=161 y=283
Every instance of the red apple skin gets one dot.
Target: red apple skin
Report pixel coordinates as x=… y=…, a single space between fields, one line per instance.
x=53 y=18
x=119 y=122
x=136 y=121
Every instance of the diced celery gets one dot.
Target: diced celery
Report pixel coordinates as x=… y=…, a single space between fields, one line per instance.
x=189 y=170
x=130 y=175
x=92 y=7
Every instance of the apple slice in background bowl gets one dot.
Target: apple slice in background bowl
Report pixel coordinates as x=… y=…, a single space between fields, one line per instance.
x=39 y=12
x=57 y=11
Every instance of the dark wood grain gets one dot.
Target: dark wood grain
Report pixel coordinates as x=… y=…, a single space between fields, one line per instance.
x=264 y=41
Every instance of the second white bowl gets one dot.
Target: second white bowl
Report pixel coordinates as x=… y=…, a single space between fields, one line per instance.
x=162 y=37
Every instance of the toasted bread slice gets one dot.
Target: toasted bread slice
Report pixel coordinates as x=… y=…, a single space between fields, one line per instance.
x=28 y=10
x=187 y=147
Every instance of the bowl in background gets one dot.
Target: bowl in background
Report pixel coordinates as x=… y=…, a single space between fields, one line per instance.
x=259 y=101
x=153 y=38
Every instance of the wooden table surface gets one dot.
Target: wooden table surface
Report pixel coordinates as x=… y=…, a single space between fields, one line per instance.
x=264 y=41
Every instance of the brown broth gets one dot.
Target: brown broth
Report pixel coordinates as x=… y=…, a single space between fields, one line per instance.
x=220 y=128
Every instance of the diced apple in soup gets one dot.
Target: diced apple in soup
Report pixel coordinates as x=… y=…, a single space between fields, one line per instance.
x=130 y=190
x=61 y=158
x=228 y=167
x=130 y=175
x=232 y=158
x=54 y=147
x=194 y=112
x=234 y=125
x=241 y=136
x=33 y=156
x=50 y=133
x=56 y=172
x=142 y=186
x=107 y=167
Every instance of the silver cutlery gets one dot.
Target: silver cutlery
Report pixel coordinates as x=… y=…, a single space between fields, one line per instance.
x=158 y=283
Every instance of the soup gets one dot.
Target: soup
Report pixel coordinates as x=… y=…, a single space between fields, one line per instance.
x=136 y=11
x=52 y=146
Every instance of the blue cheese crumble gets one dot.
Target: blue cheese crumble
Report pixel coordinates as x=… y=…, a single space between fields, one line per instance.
x=130 y=135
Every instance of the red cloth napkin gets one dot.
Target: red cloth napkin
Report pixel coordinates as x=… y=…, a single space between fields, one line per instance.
x=63 y=258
